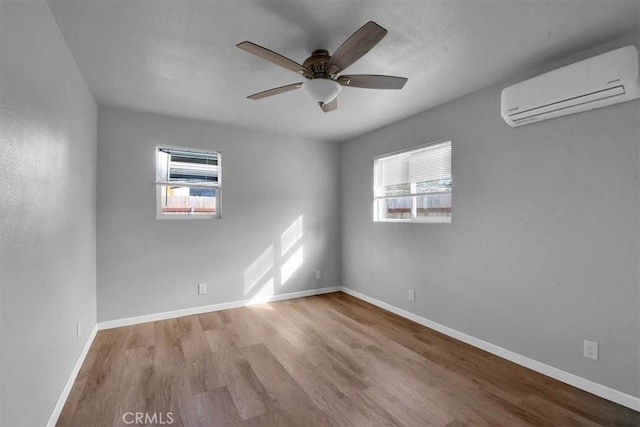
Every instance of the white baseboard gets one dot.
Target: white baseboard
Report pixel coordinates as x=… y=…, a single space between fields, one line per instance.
x=214 y=307
x=57 y=410
x=600 y=390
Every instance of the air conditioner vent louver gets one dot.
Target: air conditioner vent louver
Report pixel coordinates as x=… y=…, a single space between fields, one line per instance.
x=568 y=103
x=582 y=86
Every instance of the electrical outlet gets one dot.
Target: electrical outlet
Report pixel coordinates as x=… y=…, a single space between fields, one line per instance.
x=317 y=274
x=412 y=295
x=590 y=350
x=202 y=288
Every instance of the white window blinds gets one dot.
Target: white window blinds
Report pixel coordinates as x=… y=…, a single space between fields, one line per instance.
x=414 y=185
x=176 y=165
x=429 y=168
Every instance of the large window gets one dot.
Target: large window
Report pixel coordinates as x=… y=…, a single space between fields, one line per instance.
x=414 y=185
x=188 y=183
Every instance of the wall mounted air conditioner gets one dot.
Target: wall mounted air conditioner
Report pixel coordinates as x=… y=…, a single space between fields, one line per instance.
x=596 y=82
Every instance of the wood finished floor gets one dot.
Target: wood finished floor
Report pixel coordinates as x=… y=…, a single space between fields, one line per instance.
x=326 y=360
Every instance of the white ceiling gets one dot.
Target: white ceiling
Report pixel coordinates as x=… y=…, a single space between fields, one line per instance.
x=179 y=57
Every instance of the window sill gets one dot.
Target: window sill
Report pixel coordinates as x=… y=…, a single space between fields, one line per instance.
x=187 y=216
x=416 y=221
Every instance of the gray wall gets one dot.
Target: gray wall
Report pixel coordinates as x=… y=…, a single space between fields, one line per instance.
x=149 y=266
x=47 y=214
x=542 y=252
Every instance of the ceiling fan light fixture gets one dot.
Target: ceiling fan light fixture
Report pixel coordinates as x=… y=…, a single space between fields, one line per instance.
x=321 y=90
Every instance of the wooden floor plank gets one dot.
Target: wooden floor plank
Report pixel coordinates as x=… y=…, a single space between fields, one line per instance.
x=203 y=370
x=329 y=360
x=210 y=321
x=318 y=387
x=171 y=393
x=141 y=335
x=168 y=354
x=216 y=408
x=283 y=389
x=245 y=389
x=275 y=418
x=375 y=413
x=554 y=414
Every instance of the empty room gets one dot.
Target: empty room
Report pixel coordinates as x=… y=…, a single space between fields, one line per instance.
x=319 y=213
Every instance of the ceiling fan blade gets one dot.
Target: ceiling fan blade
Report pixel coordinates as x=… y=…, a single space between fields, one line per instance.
x=373 y=81
x=330 y=106
x=275 y=91
x=355 y=47
x=274 y=57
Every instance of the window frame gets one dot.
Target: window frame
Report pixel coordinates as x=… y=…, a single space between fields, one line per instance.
x=414 y=219
x=160 y=184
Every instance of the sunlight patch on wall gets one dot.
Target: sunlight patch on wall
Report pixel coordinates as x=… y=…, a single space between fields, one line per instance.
x=264 y=294
x=258 y=269
x=291 y=265
x=275 y=266
x=291 y=236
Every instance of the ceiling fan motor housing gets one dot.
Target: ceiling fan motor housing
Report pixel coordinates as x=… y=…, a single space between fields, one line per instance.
x=317 y=62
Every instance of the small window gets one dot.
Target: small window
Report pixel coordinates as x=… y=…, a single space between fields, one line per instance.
x=414 y=185
x=188 y=183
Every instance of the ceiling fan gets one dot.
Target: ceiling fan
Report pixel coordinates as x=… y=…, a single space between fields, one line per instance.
x=323 y=70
